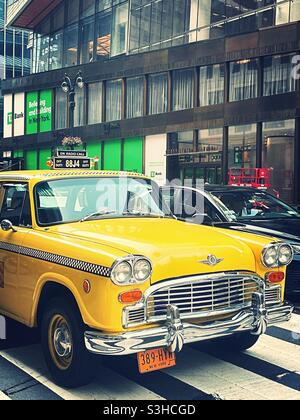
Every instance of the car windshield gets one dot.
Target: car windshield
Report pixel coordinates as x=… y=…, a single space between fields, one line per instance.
x=227 y=213
x=255 y=205
x=82 y=199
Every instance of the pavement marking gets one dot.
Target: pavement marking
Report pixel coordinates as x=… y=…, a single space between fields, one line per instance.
x=162 y=383
x=225 y=379
x=114 y=387
x=267 y=371
x=293 y=324
x=4 y=397
x=18 y=385
x=261 y=367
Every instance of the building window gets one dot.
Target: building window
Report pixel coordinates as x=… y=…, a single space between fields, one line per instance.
x=212 y=83
x=243 y=80
x=103 y=34
x=242 y=146
x=119 y=33
x=279 y=154
x=278 y=75
x=61 y=109
x=43 y=53
x=56 y=51
x=95 y=103
x=181 y=143
x=87 y=45
x=295 y=10
x=114 y=100
x=210 y=145
x=73 y=11
x=135 y=97
x=71 y=46
x=183 y=89
x=158 y=93
x=88 y=8
x=79 y=114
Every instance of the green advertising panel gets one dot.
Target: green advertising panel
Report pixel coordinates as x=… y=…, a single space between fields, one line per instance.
x=133 y=155
x=44 y=156
x=32 y=111
x=112 y=155
x=94 y=151
x=45 y=111
x=31 y=160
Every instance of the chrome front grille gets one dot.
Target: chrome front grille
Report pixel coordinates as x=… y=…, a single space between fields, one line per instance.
x=196 y=297
x=273 y=295
x=202 y=297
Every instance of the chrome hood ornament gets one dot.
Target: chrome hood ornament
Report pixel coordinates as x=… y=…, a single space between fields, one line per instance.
x=212 y=260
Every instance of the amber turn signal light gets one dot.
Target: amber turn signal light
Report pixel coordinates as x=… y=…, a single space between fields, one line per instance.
x=133 y=296
x=275 y=277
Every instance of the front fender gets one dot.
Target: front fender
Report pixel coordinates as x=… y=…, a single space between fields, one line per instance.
x=70 y=286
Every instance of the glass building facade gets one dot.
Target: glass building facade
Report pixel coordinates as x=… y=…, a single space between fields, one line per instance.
x=14 y=54
x=213 y=80
x=85 y=31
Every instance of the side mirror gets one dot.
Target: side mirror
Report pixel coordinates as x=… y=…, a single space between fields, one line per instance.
x=6 y=226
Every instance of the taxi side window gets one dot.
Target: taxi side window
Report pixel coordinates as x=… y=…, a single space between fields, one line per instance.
x=16 y=205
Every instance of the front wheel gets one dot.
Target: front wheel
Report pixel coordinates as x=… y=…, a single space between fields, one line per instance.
x=62 y=334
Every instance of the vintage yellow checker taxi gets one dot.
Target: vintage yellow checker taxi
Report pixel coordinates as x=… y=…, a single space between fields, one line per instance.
x=98 y=263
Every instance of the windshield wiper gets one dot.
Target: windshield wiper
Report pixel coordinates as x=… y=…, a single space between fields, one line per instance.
x=97 y=214
x=141 y=214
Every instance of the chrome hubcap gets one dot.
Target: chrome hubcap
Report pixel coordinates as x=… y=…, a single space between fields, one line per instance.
x=62 y=341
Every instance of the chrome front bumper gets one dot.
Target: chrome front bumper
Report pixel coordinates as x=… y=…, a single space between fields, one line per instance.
x=175 y=333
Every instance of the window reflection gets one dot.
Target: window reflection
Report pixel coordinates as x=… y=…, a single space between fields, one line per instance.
x=212 y=83
x=243 y=80
x=71 y=44
x=278 y=75
x=242 y=146
x=278 y=153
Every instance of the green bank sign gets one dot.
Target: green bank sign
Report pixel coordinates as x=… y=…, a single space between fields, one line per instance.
x=39 y=112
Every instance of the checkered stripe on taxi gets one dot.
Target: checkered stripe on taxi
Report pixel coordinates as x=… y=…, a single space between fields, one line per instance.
x=98 y=270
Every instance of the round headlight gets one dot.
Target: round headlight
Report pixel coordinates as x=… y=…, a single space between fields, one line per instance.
x=142 y=270
x=122 y=273
x=285 y=254
x=270 y=256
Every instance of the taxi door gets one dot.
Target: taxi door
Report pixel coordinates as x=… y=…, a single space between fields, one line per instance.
x=13 y=228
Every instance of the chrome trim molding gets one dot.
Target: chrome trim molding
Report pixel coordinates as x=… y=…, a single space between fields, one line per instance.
x=174 y=333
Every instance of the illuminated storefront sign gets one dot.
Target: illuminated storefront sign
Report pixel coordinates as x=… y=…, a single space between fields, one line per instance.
x=19 y=114
x=155 y=158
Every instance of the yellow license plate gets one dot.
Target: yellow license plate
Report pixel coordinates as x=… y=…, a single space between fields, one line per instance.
x=157 y=359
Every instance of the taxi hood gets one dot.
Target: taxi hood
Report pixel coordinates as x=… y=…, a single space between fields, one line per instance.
x=175 y=248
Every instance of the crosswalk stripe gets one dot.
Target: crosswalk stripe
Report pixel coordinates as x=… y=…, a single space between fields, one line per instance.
x=261 y=367
x=17 y=384
x=160 y=382
x=293 y=325
x=108 y=385
x=287 y=355
x=202 y=373
x=3 y=397
x=225 y=379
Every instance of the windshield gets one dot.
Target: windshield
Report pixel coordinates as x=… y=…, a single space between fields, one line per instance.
x=249 y=205
x=82 y=199
x=228 y=214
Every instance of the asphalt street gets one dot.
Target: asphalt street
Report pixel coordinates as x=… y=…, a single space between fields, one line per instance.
x=270 y=370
